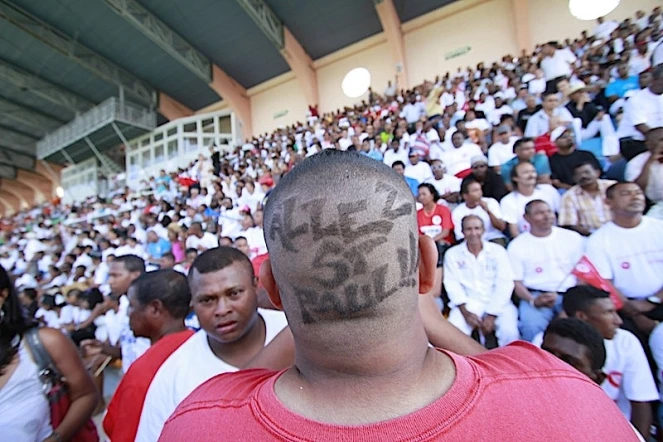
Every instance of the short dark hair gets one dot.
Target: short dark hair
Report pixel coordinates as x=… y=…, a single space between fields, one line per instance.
x=168 y=255
x=191 y=250
x=219 y=258
x=582 y=333
x=529 y=206
x=168 y=286
x=514 y=169
x=431 y=189
x=585 y=163
x=610 y=191
x=469 y=217
x=465 y=184
x=520 y=142
x=579 y=298
x=240 y=237
x=398 y=163
x=132 y=263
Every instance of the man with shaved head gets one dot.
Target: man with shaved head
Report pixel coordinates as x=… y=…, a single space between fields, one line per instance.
x=347 y=265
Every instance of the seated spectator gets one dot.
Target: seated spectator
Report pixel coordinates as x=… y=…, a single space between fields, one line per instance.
x=200 y=240
x=479 y=282
x=567 y=158
x=492 y=185
x=593 y=121
x=629 y=252
x=629 y=381
x=584 y=208
x=156 y=247
x=642 y=112
x=539 y=123
x=526 y=190
x=486 y=209
x=532 y=107
x=369 y=149
x=457 y=160
x=542 y=260
x=395 y=153
x=448 y=186
x=501 y=151
x=646 y=170
x=524 y=150
x=618 y=87
x=419 y=170
x=399 y=168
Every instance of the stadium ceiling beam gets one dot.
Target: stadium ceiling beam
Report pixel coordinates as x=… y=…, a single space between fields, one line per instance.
x=15 y=158
x=163 y=36
x=291 y=50
x=171 y=108
x=26 y=195
x=41 y=123
x=25 y=81
x=70 y=48
x=13 y=200
x=42 y=187
x=391 y=24
x=7 y=172
x=8 y=209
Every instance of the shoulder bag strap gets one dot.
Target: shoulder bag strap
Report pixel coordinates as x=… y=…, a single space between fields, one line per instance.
x=39 y=352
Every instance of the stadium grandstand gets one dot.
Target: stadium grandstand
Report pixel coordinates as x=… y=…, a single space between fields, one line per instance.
x=141 y=141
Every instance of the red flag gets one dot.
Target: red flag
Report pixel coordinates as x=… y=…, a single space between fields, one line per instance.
x=587 y=273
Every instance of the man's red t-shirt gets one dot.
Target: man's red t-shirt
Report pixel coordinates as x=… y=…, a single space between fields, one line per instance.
x=516 y=392
x=123 y=415
x=432 y=224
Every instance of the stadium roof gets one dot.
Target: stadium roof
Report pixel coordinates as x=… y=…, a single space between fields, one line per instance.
x=60 y=58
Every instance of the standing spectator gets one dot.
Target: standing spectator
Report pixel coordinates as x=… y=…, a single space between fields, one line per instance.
x=556 y=64
x=628 y=379
x=492 y=185
x=584 y=207
x=567 y=157
x=412 y=112
x=525 y=152
x=526 y=190
x=479 y=282
x=542 y=260
x=642 y=112
x=502 y=150
x=486 y=209
x=646 y=170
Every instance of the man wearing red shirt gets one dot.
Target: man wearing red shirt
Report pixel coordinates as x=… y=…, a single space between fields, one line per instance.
x=346 y=263
x=158 y=303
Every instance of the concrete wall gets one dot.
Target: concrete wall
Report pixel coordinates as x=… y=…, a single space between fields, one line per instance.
x=277 y=106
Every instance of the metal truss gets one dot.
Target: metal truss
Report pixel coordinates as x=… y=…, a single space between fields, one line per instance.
x=20 y=160
x=161 y=34
x=15 y=112
x=26 y=81
x=72 y=49
x=7 y=172
x=266 y=20
x=11 y=137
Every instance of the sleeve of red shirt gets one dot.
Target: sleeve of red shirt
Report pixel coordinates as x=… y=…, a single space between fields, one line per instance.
x=445 y=213
x=123 y=414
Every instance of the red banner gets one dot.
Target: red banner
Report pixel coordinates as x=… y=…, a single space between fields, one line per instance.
x=587 y=273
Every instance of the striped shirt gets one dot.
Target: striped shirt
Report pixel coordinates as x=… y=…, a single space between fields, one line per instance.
x=582 y=209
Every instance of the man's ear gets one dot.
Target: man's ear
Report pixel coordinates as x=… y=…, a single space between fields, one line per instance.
x=427 y=264
x=267 y=280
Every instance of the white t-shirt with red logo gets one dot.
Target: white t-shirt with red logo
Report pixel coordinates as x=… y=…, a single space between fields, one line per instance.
x=513 y=204
x=628 y=377
x=631 y=258
x=545 y=263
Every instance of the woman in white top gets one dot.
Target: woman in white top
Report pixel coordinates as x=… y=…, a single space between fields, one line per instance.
x=24 y=409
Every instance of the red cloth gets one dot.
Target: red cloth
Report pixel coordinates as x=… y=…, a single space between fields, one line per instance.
x=518 y=392
x=439 y=218
x=543 y=144
x=587 y=273
x=126 y=406
x=256 y=263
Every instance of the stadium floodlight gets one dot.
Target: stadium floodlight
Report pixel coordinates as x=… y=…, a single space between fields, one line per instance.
x=59 y=191
x=356 y=82
x=591 y=9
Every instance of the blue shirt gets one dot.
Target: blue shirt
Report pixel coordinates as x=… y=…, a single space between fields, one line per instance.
x=540 y=162
x=375 y=154
x=159 y=248
x=620 y=87
x=413 y=184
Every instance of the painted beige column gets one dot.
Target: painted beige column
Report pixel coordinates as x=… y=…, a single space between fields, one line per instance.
x=521 y=25
x=231 y=91
x=391 y=24
x=171 y=108
x=302 y=66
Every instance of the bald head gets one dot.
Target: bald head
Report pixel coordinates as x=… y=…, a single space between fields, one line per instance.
x=341 y=231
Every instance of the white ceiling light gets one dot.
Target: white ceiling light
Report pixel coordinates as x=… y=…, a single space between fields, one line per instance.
x=59 y=191
x=591 y=9
x=356 y=82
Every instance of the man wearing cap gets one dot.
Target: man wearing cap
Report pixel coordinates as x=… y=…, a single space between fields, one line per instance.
x=419 y=170
x=525 y=151
x=502 y=150
x=567 y=157
x=448 y=186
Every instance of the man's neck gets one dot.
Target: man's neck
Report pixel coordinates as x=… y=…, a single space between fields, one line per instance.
x=475 y=247
x=541 y=233
x=173 y=326
x=526 y=190
x=591 y=187
x=240 y=352
x=471 y=204
x=627 y=221
x=399 y=372
x=566 y=151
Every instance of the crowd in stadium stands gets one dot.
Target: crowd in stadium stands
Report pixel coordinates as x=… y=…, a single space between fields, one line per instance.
x=534 y=176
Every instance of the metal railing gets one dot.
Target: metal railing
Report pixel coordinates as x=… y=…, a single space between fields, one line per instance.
x=94 y=119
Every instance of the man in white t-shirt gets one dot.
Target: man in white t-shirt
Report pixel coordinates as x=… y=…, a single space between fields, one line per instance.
x=395 y=153
x=479 y=282
x=199 y=240
x=457 y=160
x=417 y=169
x=448 y=186
x=542 y=260
x=233 y=331
x=629 y=381
x=646 y=170
x=629 y=252
x=540 y=123
x=526 y=190
x=556 y=62
x=502 y=150
x=486 y=209
x=642 y=112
